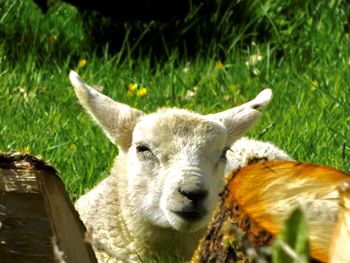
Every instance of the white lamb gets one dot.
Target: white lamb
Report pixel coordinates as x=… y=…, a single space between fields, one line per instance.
x=167 y=177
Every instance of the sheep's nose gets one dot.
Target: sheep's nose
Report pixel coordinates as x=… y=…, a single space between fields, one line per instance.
x=195 y=195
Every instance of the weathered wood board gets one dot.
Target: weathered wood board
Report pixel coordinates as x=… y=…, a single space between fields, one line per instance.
x=38 y=222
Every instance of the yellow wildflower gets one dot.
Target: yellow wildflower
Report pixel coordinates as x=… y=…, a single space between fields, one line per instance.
x=26 y=149
x=219 y=65
x=73 y=147
x=132 y=87
x=314 y=84
x=141 y=92
x=129 y=93
x=82 y=63
x=52 y=38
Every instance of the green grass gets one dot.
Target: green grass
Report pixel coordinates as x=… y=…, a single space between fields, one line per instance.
x=40 y=114
x=308 y=70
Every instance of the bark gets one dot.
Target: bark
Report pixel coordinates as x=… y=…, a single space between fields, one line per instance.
x=232 y=236
x=38 y=222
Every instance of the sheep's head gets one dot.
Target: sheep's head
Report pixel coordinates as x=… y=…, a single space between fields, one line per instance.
x=175 y=158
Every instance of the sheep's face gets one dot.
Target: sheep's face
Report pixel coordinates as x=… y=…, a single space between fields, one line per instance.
x=175 y=158
x=176 y=168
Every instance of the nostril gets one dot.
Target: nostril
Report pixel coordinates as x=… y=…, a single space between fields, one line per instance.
x=194 y=195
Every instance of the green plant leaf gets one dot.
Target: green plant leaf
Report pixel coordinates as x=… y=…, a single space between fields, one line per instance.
x=292 y=244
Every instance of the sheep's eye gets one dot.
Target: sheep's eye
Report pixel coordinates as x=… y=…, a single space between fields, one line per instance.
x=144 y=152
x=142 y=148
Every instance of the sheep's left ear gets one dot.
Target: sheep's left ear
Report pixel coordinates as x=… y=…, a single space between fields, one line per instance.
x=239 y=119
x=116 y=119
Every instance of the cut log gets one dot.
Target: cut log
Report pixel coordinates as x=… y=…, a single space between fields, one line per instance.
x=38 y=222
x=340 y=245
x=257 y=201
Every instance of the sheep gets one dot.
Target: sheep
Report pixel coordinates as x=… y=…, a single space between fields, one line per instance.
x=167 y=177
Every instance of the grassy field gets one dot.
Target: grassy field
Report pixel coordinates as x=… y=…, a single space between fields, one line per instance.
x=309 y=116
x=305 y=60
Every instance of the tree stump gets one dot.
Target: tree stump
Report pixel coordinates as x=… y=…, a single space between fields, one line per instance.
x=257 y=201
x=233 y=236
x=38 y=222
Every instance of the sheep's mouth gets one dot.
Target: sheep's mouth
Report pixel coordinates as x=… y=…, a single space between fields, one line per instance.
x=191 y=214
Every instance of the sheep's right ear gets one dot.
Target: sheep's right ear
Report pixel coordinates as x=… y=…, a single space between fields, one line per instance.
x=239 y=119
x=116 y=119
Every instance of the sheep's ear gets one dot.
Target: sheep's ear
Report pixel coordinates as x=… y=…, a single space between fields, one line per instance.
x=239 y=119
x=116 y=119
